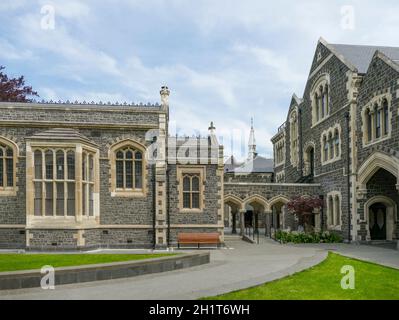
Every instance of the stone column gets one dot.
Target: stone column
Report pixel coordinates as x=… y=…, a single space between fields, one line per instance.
x=242 y=222
x=234 y=222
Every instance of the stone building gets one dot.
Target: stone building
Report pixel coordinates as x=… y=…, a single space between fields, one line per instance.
x=80 y=176
x=343 y=135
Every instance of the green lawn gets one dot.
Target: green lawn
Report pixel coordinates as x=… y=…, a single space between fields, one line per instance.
x=14 y=262
x=323 y=282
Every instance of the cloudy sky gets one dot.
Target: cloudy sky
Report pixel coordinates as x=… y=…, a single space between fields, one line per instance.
x=224 y=60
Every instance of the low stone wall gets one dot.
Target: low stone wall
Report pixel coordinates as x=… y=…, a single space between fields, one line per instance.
x=97 y=272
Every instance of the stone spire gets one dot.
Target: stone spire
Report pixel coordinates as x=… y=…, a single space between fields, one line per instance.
x=252 y=143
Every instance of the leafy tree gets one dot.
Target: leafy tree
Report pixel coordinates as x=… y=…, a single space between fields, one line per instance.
x=304 y=208
x=14 y=89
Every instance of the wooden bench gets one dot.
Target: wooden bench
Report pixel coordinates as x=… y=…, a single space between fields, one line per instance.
x=198 y=239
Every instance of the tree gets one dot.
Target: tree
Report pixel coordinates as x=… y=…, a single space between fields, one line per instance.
x=304 y=208
x=14 y=89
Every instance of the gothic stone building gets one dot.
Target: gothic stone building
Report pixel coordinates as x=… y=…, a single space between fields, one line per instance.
x=343 y=135
x=79 y=176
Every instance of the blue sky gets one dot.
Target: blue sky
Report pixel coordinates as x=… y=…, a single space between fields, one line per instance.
x=224 y=60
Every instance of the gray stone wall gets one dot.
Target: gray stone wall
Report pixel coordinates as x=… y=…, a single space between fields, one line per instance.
x=249 y=177
x=211 y=193
x=12 y=238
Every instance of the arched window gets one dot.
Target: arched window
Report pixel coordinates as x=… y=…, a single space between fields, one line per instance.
x=191 y=191
x=386 y=116
x=322 y=102
x=337 y=211
x=369 y=119
x=7 y=170
x=319 y=95
x=325 y=148
x=316 y=99
x=330 y=217
x=336 y=142
x=326 y=99
x=331 y=145
x=129 y=169
x=294 y=138
x=378 y=122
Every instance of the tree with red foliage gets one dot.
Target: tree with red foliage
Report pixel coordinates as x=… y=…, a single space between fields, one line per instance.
x=14 y=89
x=304 y=207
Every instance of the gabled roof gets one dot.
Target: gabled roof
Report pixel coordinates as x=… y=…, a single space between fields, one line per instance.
x=231 y=163
x=258 y=165
x=359 y=56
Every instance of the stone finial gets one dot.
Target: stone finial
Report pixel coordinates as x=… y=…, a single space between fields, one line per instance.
x=211 y=127
x=165 y=92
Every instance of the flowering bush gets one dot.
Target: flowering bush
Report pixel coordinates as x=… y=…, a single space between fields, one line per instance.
x=301 y=237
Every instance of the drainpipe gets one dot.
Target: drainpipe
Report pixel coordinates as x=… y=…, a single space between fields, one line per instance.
x=300 y=142
x=167 y=208
x=348 y=178
x=154 y=196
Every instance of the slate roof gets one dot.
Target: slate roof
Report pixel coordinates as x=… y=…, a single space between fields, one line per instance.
x=231 y=163
x=361 y=56
x=258 y=165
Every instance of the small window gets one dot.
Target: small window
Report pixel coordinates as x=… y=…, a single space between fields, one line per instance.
x=191 y=192
x=386 y=117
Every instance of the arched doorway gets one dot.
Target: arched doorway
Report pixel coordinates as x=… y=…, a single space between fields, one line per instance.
x=378 y=221
x=381 y=217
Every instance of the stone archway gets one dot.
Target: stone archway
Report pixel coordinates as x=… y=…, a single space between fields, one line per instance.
x=378 y=197
x=235 y=207
x=278 y=213
x=380 y=213
x=255 y=207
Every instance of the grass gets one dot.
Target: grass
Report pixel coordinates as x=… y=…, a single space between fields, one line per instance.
x=15 y=262
x=323 y=282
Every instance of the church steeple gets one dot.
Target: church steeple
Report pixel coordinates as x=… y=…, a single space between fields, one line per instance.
x=252 y=143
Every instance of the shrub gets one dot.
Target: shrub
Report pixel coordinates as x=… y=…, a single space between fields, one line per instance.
x=301 y=237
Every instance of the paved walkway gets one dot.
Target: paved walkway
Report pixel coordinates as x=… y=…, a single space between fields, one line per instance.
x=240 y=266
x=376 y=254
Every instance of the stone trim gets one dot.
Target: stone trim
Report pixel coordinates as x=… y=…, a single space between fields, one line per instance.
x=324 y=81
x=11 y=191
x=331 y=225
x=294 y=137
x=181 y=170
x=391 y=219
x=376 y=161
x=115 y=192
x=326 y=133
x=377 y=100
x=273 y=184
x=78 y=125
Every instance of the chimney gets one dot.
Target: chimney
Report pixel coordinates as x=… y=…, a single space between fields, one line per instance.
x=165 y=92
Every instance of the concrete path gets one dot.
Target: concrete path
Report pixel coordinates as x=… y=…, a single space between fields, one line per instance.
x=376 y=254
x=239 y=266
